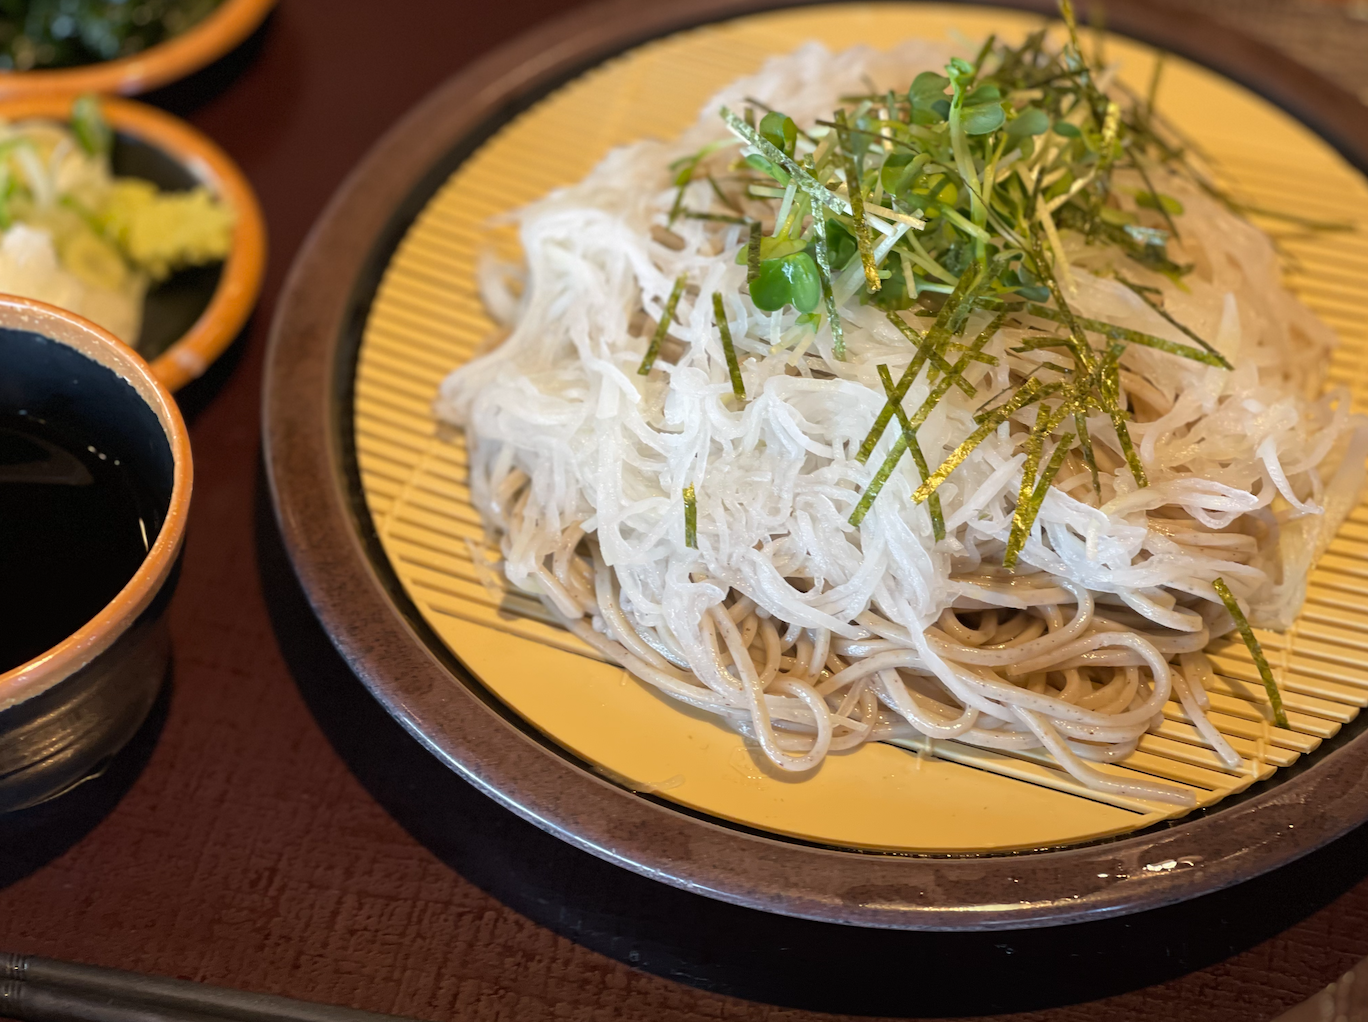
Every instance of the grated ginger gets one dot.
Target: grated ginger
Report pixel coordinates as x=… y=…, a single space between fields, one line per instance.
x=164 y=231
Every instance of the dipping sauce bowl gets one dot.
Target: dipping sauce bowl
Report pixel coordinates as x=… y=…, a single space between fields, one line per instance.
x=91 y=447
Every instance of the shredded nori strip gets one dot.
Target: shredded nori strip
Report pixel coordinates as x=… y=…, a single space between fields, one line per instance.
x=663 y=327
x=718 y=217
x=690 y=518
x=946 y=319
x=907 y=441
x=1255 y=650
x=905 y=381
x=943 y=385
x=753 y=254
x=1035 y=443
x=1121 y=333
x=1032 y=494
x=1086 y=446
x=928 y=344
x=728 y=349
x=819 y=248
x=855 y=190
x=876 y=484
x=1029 y=392
x=1042 y=490
x=1140 y=293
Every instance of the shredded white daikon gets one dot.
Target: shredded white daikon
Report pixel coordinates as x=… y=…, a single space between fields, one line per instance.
x=810 y=634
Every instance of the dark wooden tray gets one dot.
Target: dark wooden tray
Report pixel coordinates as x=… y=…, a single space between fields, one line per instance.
x=307 y=424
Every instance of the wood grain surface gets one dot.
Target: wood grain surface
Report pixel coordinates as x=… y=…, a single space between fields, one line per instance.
x=271 y=829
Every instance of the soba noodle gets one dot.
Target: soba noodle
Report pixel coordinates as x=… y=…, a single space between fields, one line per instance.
x=810 y=635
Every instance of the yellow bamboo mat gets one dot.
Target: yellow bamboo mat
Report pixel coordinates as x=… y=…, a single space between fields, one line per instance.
x=427 y=318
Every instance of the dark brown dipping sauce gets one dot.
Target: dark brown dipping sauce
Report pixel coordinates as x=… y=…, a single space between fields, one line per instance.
x=72 y=533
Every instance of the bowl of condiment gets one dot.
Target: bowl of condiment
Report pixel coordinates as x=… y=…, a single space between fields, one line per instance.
x=129 y=217
x=125 y=46
x=95 y=480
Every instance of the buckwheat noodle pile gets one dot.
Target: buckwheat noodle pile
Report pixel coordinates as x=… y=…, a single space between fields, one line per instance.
x=1094 y=331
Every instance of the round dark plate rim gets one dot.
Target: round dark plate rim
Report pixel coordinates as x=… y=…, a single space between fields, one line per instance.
x=323 y=521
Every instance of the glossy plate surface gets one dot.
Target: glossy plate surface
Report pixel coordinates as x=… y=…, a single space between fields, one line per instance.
x=414 y=315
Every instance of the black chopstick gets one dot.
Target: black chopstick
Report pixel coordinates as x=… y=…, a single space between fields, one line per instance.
x=34 y=989
x=33 y=1002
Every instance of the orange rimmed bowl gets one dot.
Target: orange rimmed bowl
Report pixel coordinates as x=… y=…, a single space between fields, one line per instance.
x=229 y=24
x=189 y=322
x=67 y=710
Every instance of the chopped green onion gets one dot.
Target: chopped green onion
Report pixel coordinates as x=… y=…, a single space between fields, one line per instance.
x=89 y=126
x=1255 y=650
x=663 y=327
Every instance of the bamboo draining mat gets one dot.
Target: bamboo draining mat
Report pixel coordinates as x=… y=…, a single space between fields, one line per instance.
x=427 y=318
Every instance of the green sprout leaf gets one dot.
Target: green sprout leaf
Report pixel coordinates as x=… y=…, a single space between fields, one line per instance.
x=841 y=247
x=1116 y=217
x=927 y=96
x=780 y=131
x=790 y=280
x=1160 y=201
x=901 y=170
x=1030 y=121
x=772 y=248
x=768 y=168
x=981 y=111
x=983 y=119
